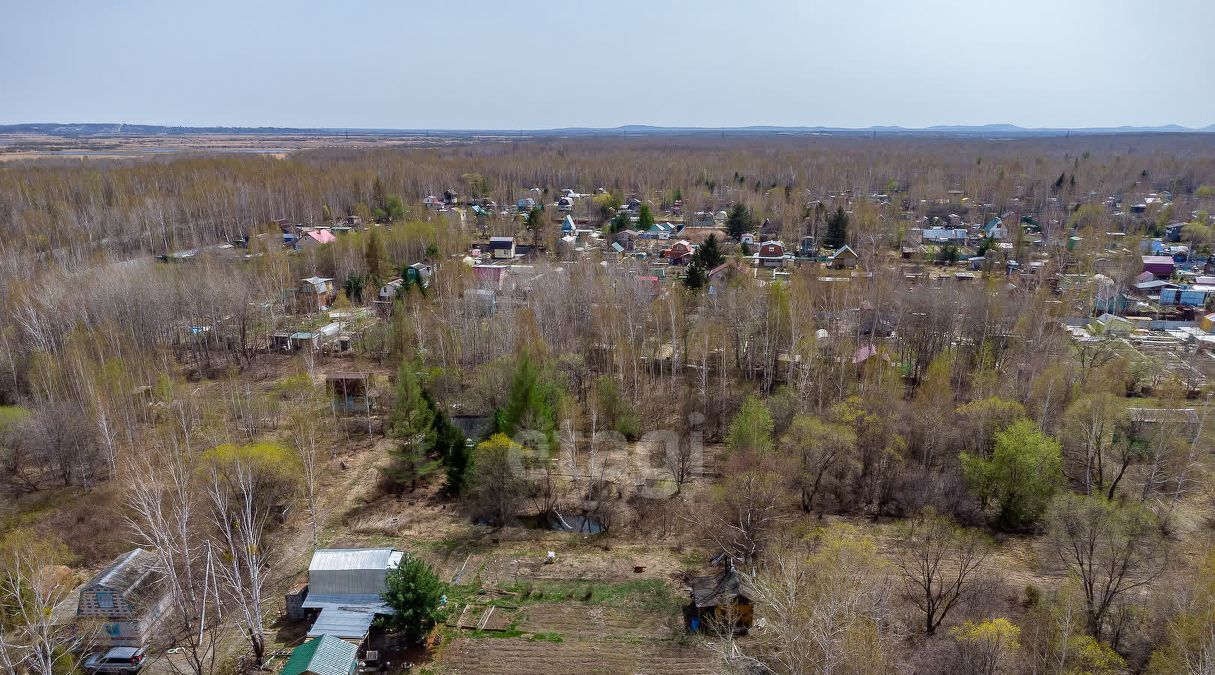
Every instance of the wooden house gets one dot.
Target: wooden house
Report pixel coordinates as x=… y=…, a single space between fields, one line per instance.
x=128 y=598
x=314 y=294
x=680 y=252
x=627 y=239
x=771 y=254
x=502 y=248
x=844 y=257
x=721 y=598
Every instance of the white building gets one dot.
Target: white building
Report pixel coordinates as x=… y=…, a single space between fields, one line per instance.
x=346 y=586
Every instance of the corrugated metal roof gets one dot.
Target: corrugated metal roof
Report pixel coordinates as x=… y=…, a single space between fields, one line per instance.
x=355 y=559
x=324 y=655
x=344 y=616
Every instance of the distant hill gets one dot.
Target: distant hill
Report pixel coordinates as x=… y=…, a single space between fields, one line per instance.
x=79 y=130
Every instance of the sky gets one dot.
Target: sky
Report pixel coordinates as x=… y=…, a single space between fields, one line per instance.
x=527 y=64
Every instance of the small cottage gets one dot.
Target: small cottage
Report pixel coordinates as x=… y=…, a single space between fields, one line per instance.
x=1161 y=266
x=719 y=598
x=128 y=598
x=844 y=257
x=502 y=248
x=680 y=252
x=314 y=294
x=771 y=255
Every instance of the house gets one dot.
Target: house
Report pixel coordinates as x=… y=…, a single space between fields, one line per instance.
x=994 y=229
x=128 y=598
x=525 y=205
x=325 y=655
x=419 y=274
x=703 y=219
x=1172 y=232
x=1161 y=266
x=680 y=252
x=808 y=247
x=315 y=294
x=769 y=228
x=944 y=235
x=502 y=248
x=771 y=254
x=315 y=237
x=345 y=588
x=718 y=598
x=844 y=257
x=389 y=291
x=1109 y=324
x=661 y=231
x=565 y=204
x=567 y=226
x=627 y=239
x=432 y=202
x=723 y=275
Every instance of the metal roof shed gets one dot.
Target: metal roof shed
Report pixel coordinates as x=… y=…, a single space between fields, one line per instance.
x=357 y=571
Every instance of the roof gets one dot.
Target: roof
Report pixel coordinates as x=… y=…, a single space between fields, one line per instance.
x=324 y=655
x=501 y=243
x=712 y=590
x=321 y=236
x=317 y=283
x=841 y=249
x=354 y=559
x=134 y=575
x=1158 y=260
x=863 y=354
x=1152 y=415
x=345 y=622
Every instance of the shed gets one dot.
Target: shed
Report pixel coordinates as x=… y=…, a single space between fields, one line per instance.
x=295 y=601
x=324 y=655
x=1159 y=265
x=346 y=585
x=718 y=597
x=351 y=571
x=349 y=392
x=843 y=257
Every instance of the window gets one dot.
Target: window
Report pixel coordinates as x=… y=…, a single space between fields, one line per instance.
x=105 y=599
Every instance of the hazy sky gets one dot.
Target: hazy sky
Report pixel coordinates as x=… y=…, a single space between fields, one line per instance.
x=513 y=64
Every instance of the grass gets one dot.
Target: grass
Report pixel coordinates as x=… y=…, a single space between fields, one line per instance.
x=546 y=637
x=642 y=594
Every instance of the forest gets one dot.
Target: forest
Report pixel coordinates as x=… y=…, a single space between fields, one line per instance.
x=908 y=473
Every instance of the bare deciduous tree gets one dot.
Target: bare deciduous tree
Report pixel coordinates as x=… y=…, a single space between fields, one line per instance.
x=1112 y=549
x=943 y=566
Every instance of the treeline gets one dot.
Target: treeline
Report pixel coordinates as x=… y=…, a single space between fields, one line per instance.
x=69 y=213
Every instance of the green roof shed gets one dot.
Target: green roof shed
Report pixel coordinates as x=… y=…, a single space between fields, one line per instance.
x=325 y=655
